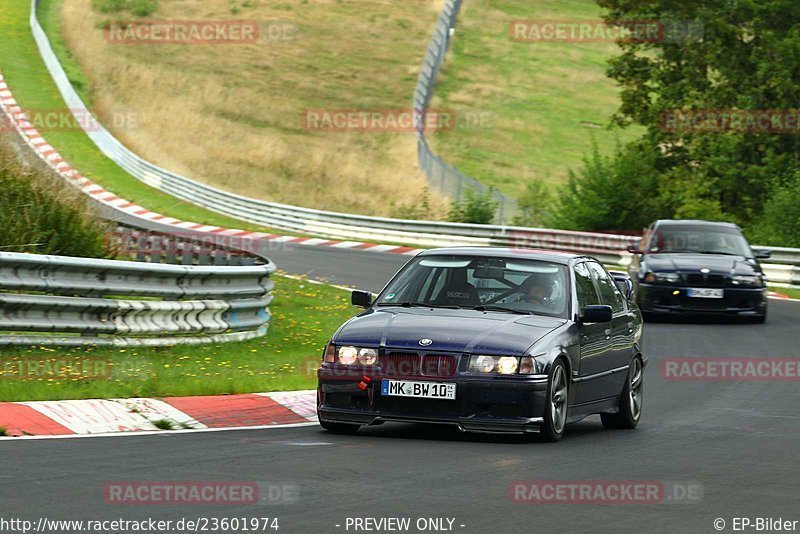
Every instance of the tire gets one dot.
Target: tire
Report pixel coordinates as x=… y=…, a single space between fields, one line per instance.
x=630 y=402
x=339 y=428
x=556 y=404
x=759 y=319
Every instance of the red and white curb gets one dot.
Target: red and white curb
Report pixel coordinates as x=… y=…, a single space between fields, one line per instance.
x=104 y=416
x=17 y=118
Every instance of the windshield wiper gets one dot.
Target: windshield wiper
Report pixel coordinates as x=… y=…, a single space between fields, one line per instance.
x=408 y=304
x=719 y=252
x=501 y=309
x=699 y=252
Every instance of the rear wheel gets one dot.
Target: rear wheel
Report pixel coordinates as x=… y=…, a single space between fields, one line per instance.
x=339 y=428
x=630 y=402
x=555 y=411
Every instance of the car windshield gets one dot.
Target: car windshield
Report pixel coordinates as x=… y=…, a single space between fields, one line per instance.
x=504 y=285
x=699 y=240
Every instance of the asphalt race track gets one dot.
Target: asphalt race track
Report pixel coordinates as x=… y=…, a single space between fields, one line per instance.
x=738 y=441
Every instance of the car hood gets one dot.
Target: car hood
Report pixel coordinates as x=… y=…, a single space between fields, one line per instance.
x=693 y=263
x=449 y=330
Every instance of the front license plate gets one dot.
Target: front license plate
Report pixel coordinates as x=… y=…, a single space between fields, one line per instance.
x=706 y=293
x=423 y=390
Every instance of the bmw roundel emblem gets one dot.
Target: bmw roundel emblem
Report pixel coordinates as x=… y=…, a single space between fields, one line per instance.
x=425 y=342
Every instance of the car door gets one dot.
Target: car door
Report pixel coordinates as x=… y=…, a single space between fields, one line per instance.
x=619 y=333
x=593 y=343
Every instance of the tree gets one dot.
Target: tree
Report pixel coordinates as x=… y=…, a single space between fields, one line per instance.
x=742 y=55
x=780 y=224
x=616 y=193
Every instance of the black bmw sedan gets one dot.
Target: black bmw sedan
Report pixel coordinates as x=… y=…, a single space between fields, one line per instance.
x=698 y=267
x=491 y=340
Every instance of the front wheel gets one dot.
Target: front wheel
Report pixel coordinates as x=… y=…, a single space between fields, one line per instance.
x=339 y=428
x=630 y=402
x=555 y=411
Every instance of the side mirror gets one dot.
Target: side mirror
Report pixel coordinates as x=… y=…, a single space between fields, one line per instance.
x=361 y=298
x=763 y=254
x=596 y=314
x=634 y=249
x=623 y=282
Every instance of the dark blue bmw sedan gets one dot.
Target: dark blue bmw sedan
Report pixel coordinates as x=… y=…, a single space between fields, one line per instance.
x=491 y=340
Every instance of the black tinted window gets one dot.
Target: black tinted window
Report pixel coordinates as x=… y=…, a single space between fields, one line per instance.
x=515 y=284
x=609 y=293
x=704 y=239
x=587 y=295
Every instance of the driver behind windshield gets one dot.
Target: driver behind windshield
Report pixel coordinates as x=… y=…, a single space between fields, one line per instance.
x=536 y=289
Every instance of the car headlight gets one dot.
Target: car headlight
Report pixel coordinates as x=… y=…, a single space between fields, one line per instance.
x=367 y=356
x=507 y=365
x=748 y=281
x=482 y=364
x=349 y=355
x=502 y=365
x=662 y=278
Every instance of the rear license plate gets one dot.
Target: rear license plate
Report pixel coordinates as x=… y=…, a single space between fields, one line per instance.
x=423 y=390
x=706 y=293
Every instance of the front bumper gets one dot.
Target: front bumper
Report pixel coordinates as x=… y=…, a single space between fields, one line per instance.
x=667 y=299
x=482 y=404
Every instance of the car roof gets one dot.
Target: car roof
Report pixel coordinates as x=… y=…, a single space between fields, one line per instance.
x=553 y=256
x=694 y=222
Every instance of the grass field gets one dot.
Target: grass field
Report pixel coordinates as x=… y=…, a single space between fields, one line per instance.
x=789 y=292
x=33 y=88
x=232 y=115
x=304 y=316
x=548 y=100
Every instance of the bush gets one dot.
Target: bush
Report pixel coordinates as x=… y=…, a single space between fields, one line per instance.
x=144 y=8
x=140 y=8
x=109 y=6
x=779 y=225
x=41 y=214
x=618 y=193
x=419 y=210
x=475 y=207
x=536 y=205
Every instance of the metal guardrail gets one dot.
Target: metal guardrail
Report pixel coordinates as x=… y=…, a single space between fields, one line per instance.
x=607 y=247
x=68 y=301
x=269 y=214
x=441 y=174
x=155 y=245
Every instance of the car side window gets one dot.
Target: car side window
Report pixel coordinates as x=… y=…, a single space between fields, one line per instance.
x=587 y=294
x=609 y=292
